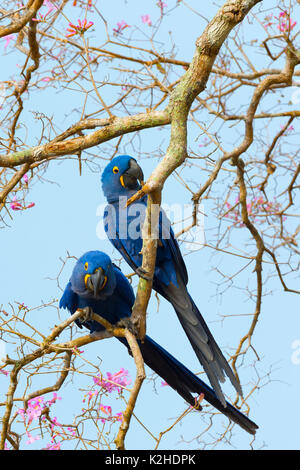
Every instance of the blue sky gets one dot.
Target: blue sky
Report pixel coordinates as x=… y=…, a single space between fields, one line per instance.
x=64 y=220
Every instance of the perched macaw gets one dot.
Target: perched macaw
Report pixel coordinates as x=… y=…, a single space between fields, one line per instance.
x=121 y=179
x=97 y=285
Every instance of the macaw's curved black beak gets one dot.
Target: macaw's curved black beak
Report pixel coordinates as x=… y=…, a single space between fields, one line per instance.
x=133 y=177
x=95 y=282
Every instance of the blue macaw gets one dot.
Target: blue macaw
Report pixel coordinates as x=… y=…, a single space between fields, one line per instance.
x=96 y=284
x=121 y=178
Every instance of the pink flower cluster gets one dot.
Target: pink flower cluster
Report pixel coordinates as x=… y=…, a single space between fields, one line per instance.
x=80 y=28
x=146 y=20
x=35 y=407
x=161 y=6
x=7 y=39
x=286 y=24
x=43 y=18
x=107 y=410
x=120 y=27
x=17 y=206
x=254 y=207
x=54 y=446
x=22 y=306
x=113 y=381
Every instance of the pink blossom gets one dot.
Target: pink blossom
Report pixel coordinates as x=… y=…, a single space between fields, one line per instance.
x=164 y=384
x=72 y=431
x=147 y=20
x=80 y=28
x=21 y=412
x=22 y=306
x=257 y=205
x=107 y=410
x=8 y=38
x=15 y=206
x=25 y=179
x=119 y=417
x=54 y=399
x=90 y=394
x=161 y=5
x=34 y=410
x=289 y=129
x=31 y=438
x=41 y=18
x=113 y=380
x=4 y=372
x=120 y=27
x=285 y=22
x=49 y=4
x=55 y=446
x=55 y=423
x=35 y=406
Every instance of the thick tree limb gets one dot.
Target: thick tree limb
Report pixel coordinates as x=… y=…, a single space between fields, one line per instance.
x=18 y=23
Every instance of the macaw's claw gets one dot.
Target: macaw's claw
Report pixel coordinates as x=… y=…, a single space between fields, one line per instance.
x=143 y=274
x=129 y=325
x=87 y=315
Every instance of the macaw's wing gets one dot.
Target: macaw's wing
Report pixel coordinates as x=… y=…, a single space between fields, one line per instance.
x=69 y=300
x=169 y=260
x=124 y=231
x=129 y=247
x=177 y=258
x=123 y=289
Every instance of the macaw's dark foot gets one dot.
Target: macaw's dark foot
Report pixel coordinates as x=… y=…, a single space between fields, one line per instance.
x=129 y=325
x=87 y=314
x=143 y=274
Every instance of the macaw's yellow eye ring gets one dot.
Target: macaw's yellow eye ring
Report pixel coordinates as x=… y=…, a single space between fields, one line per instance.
x=115 y=170
x=86 y=266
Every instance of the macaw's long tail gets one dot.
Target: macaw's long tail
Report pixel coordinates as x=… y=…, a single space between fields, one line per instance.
x=185 y=382
x=201 y=339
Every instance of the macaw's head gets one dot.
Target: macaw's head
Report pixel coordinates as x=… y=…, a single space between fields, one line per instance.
x=120 y=177
x=93 y=276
